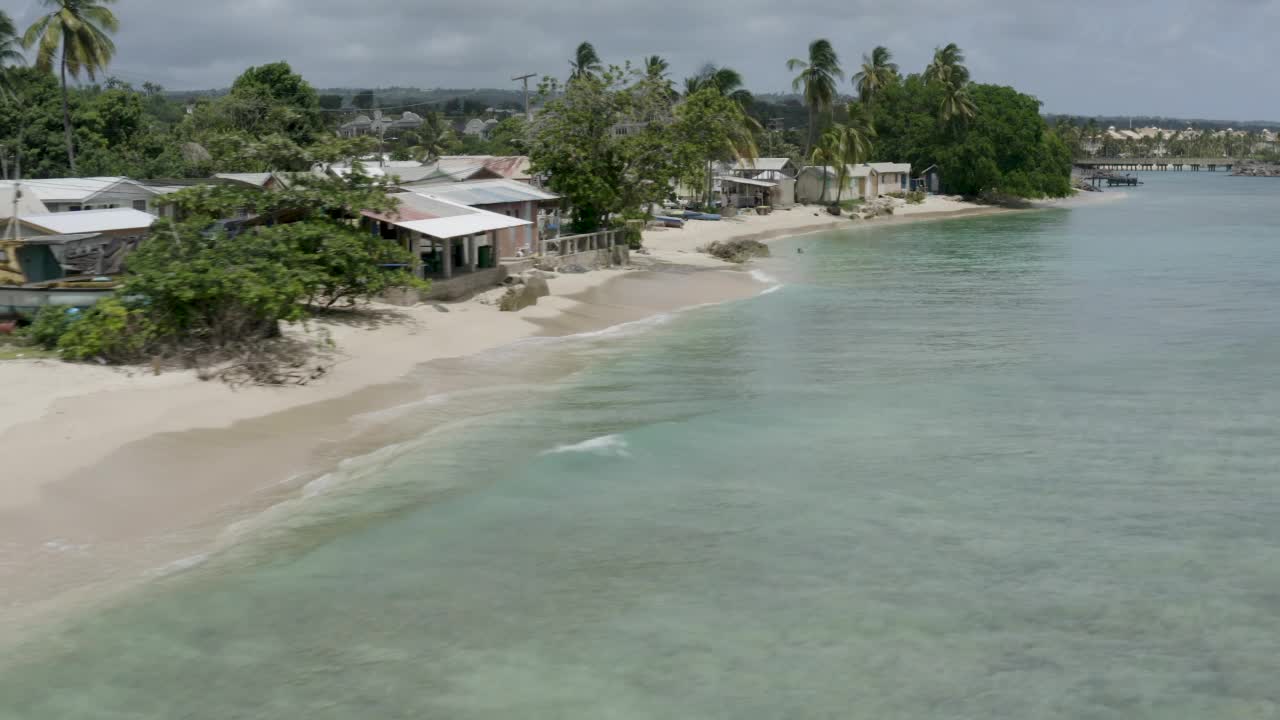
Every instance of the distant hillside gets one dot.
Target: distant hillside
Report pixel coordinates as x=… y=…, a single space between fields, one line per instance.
x=1138 y=121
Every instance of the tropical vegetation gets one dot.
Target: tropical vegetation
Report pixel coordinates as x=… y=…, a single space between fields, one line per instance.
x=817 y=81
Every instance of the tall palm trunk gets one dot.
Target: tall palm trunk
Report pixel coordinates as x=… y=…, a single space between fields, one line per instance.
x=66 y=115
x=808 y=148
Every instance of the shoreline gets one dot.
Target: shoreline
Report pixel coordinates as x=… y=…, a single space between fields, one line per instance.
x=97 y=507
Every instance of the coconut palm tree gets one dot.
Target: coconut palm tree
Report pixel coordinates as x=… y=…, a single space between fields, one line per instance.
x=947 y=66
x=824 y=155
x=818 y=80
x=433 y=138
x=656 y=67
x=878 y=72
x=957 y=107
x=726 y=81
x=852 y=143
x=75 y=33
x=585 y=62
x=10 y=54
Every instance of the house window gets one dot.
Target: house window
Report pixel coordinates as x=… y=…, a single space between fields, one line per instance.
x=140 y=205
x=73 y=208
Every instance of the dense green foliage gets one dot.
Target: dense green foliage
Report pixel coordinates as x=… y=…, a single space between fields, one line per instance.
x=193 y=285
x=599 y=171
x=1005 y=148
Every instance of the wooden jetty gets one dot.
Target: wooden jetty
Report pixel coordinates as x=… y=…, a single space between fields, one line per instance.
x=1157 y=164
x=1112 y=180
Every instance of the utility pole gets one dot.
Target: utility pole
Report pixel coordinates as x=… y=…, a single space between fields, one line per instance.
x=528 y=116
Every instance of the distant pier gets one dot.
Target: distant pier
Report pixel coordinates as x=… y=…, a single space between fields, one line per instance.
x=1158 y=164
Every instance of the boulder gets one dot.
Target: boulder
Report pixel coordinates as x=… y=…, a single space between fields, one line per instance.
x=519 y=297
x=737 y=251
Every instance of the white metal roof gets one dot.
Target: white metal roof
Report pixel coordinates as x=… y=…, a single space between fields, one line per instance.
x=889 y=167
x=763 y=164
x=259 y=179
x=490 y=192
x=73 y=189
x=748 y=181
x=28 y=202
x=461 y=225
x=89 y=221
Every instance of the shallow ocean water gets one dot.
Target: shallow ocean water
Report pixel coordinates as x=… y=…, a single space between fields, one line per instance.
x=1020 y=466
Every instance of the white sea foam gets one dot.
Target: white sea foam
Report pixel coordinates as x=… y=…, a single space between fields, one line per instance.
x=763 y=277
x=771 y=289
x=395 y=411
x=605 y=446
x=179 y=565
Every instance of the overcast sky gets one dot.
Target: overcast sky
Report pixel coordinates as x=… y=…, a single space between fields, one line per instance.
x=1187 y=58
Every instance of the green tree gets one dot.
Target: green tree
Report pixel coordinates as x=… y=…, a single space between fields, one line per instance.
x=510 y=137
x=10 y=54
x=601 y=172
x=585 y=62
x=724 y=80
x=363 y=100
x=817 y=79
x=877 y=72
x=1005 y=149
x=712 y=127
x=331 y=102
x=825 y=155
x=947 y=66
x=851 y=143
x=76 y=33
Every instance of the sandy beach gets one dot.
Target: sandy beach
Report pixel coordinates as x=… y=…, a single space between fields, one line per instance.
x=121 y=470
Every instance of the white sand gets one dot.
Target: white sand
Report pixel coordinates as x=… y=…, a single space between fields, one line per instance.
x=114 y=458
x=66 y=416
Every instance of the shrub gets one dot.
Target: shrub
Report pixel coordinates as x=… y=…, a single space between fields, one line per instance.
x=110 y=331
x=50 y=324
x=915 y=197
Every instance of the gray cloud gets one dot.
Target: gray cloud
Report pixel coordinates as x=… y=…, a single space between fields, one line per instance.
x=1174 y=57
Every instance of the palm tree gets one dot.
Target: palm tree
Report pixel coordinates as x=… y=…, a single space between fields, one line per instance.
x=947 y=66
x=433 y=138
x=656 y=67
x=818 y=79
x=585 y=62
x=9 y=52
x=80 y=28
x=851 y=141
x=824 y=155
x=957 y=106
x=878 y=72
x=726 y=81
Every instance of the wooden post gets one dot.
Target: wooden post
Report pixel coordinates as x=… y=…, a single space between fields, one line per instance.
x=447 y=265
x=472 y=250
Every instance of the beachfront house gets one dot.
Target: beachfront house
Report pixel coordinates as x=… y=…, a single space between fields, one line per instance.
x=762 y=181
x=52 y=246
x=504 y=197
x=892 y=177
x=446 y=238
x=820 y=184
x=929 y=180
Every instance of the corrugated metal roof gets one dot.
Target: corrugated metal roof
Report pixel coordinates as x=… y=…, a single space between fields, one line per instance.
x=763 y=164
x=889 y=167
x=72 y=189
x=748 y=181
x=258 y=179
x=462 y=225
x=490 y=192
x=28 y=203
x=90 y=221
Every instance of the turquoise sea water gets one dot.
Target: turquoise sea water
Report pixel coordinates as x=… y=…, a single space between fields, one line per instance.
x=1021 y=466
